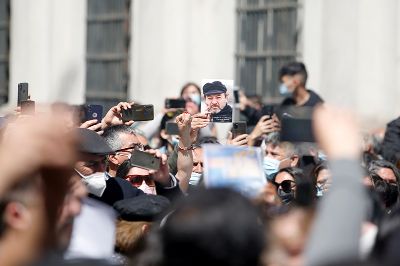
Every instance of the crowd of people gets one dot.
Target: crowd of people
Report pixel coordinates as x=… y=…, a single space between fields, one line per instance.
x=73 y=193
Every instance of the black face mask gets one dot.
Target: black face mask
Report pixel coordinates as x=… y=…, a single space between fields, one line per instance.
x=286 y=197
x=388 y=193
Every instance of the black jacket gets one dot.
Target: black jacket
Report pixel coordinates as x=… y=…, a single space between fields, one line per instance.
x=118 y=189
x=312 y=101
x=225 y=115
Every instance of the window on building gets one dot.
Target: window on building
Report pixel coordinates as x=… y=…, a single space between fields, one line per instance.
x=108 y=37
x=4 y=49
x=266 y=40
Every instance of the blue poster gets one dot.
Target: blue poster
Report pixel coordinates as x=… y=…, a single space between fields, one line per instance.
x=239 y=168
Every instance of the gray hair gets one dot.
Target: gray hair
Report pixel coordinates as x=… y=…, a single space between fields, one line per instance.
x=112 y=135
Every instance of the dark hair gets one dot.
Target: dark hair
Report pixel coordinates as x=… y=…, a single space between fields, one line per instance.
x=294 y=68
x=305 y=192
x=317 y=169
x=375 y=166
x=213 y=227
x=187 y=85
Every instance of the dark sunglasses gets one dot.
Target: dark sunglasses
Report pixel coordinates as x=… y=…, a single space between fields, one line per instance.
x=135 y=146
x=138 y=180
x=286 y=185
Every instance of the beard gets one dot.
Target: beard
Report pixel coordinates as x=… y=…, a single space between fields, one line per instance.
x=215 y=109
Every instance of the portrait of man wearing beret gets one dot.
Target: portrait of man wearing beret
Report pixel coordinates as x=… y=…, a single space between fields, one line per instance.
x=216 y=99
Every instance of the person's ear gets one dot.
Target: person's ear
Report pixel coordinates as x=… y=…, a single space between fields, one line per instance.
x=164 y=134
x=17 y=216
x=294 y=160
x=145 y=229
x=113 y=159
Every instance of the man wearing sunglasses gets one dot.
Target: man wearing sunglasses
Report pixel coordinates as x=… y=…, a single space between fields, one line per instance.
x=92 y=169
x=123 y=140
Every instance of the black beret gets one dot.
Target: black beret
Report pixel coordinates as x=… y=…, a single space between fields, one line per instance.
x=91 y=142
x=141 y=208
x=215 y=87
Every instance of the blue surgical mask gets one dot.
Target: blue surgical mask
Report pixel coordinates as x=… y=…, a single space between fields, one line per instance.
x=320 y=191
x=195 y=178
x=196 y=98
x=322 y=156
x=271 y=167
x=174 y=141
x=284 y=90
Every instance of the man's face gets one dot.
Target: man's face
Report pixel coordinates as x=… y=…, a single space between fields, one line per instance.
x=216 y=102
x=129 y=142
x=278 y=153
x=387 y=174
x=291 y=82
x=90 y=164
x=198 y=160
x=141 y=179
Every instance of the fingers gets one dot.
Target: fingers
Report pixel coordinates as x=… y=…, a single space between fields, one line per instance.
x=241 y=137
x=129 y=123
x=95 y=127
x=89 y=123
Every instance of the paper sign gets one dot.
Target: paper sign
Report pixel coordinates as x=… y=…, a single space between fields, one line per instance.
x=239 y=168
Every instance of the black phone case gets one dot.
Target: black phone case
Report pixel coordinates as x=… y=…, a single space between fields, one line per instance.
x=23 y=93
x=175 y=103
x=138 y=113
x=239 y=128
x=145 y=160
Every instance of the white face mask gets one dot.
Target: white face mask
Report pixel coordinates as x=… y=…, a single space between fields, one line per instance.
x=195 y=178
x=147 y=189
x=95 y=183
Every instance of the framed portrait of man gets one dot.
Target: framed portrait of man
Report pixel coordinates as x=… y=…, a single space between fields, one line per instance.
x=218 y=99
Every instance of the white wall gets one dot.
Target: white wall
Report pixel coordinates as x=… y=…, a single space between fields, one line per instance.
x=48 y=46
x=176 y=41
x=352 y=50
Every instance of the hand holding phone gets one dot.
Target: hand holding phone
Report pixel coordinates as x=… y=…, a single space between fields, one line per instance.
x=238 y=128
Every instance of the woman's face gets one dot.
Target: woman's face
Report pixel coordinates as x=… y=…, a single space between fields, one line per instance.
x=189 y=91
